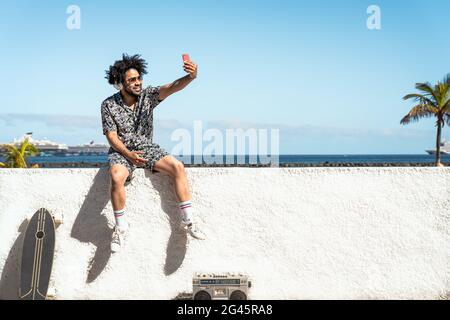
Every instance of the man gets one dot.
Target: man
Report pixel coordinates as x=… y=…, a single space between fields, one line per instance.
x=127 y=119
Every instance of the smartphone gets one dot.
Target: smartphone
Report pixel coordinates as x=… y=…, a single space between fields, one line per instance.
x=186 y=57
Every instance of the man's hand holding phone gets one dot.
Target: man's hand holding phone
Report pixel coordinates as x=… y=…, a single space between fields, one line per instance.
x=134 y=157
x=189 y=66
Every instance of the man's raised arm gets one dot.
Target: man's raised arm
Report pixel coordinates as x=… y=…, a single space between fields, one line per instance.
x=179 y=84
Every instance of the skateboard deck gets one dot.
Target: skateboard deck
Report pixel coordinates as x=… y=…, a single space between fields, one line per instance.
x=37 y=256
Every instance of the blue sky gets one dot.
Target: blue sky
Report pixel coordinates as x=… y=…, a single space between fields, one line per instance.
x=312 y=69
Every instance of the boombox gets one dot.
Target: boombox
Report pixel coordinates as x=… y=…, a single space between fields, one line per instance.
x=228 y=286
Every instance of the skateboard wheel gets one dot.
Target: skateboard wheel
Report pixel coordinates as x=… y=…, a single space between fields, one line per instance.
x=58 y=219
x=51 y=294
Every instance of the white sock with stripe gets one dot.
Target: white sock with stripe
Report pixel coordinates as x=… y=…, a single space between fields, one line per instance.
x=121 y=222
x=186 y=210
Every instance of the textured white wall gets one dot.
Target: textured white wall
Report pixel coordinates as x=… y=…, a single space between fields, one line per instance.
x=304 y=233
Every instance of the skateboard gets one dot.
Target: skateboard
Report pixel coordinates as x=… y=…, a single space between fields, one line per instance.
x=37 y=256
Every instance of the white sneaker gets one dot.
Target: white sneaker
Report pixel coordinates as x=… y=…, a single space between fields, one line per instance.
x=118 y=239
x=193 y=229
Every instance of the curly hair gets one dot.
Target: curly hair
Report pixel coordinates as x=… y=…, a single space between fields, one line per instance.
x=116 y=72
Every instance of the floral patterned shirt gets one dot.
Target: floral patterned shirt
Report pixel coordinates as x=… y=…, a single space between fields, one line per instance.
x=134 y=127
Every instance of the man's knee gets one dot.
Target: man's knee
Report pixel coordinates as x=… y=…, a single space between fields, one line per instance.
x=178 y=168
x=118 y=175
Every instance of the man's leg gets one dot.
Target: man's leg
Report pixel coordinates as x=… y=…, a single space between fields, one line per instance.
x=174 y=168
x=119 y=174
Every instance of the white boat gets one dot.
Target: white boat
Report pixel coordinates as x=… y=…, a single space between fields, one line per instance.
x=445 y=148
x=44 y=146
x=89 y=148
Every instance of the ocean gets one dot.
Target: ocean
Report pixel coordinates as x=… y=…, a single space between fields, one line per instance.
x=283 y=159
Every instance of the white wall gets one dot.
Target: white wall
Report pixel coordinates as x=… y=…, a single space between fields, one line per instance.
x=303 y=233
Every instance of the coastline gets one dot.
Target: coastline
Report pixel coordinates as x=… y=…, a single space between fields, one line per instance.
x=281 y=165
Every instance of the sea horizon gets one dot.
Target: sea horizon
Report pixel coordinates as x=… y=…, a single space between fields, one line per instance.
x=256 y=160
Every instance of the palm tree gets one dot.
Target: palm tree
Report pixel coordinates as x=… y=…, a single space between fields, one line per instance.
x=16 y=156
x=432 y=102
x=2 y=148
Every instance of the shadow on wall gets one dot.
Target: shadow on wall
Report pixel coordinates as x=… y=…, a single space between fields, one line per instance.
x=176 y=246
x=10 y=279
x=91 y=226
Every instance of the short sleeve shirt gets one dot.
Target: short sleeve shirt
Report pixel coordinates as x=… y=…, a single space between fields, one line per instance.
x=134 y=127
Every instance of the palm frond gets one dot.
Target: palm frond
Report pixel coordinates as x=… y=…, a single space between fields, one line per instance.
x=425 y=87
x=446 y=97
x=2 y=165
x=415 y=96
x=418 y=112
x=442 y=91
x=447 y=79
x=421 y=99
x=446 y=103
x=24 y=146
x=28 y=149
x=429 y=91
x=14 y=158
x=11 y=156
x=32 y=150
